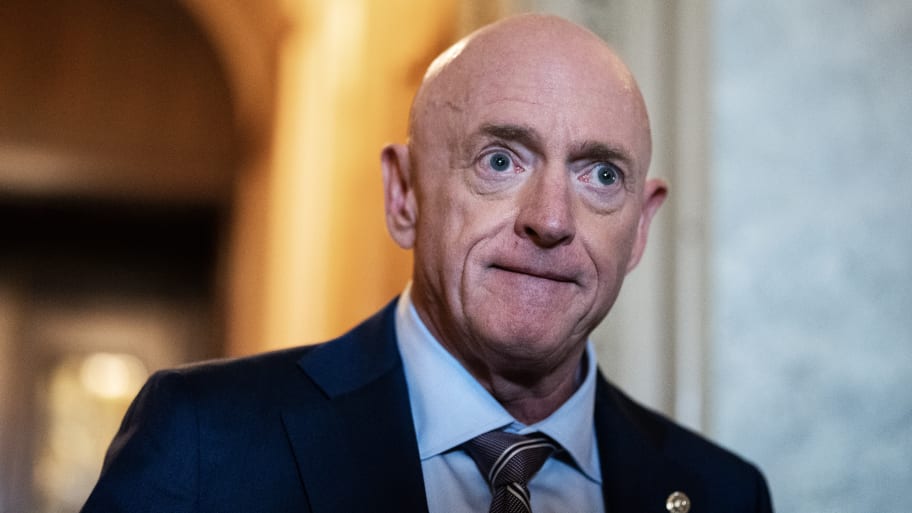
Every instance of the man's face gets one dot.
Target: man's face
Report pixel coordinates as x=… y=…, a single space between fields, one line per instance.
x=529 y=183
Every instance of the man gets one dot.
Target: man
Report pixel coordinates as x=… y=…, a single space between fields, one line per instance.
x=523 y=192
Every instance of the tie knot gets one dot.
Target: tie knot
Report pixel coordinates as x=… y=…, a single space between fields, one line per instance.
x=505 y=458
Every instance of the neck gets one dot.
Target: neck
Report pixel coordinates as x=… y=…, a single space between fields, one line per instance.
x=530 y=385
x=529 y=396
x=533 y=405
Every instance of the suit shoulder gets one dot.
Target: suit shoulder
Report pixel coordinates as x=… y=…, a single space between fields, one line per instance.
x=278 y=368
x=684 y=449
x=262 y=363
x=235 y=382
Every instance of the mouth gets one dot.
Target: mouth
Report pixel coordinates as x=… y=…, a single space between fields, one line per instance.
x=535 y=272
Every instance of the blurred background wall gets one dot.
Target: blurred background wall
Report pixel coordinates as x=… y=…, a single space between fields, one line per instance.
x=812 y=260
x=189 y=179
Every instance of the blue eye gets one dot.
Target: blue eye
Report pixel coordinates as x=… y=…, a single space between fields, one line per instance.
x=499 y=161
x=607 y=174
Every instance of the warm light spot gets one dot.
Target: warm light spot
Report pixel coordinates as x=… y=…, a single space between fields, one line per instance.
x=83 y=399
x=112 y=376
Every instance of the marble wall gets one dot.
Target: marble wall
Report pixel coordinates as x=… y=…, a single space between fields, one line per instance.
x=812 y=258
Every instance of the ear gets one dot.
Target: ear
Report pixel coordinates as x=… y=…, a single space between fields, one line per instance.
x=654 y=193
x=399 y=195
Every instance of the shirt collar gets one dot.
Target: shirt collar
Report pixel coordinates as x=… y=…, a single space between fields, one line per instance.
x=449 y=407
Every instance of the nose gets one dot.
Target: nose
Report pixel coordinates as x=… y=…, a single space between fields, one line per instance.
x=545 y=209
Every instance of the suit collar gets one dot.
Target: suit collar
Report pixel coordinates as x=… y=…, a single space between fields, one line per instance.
x=366 y=353
x=355 y=442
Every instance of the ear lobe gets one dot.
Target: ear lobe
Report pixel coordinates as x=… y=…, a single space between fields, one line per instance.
x=654 y=193
x=398 y=194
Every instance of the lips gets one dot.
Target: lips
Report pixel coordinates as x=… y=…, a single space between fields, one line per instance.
x=540 y=272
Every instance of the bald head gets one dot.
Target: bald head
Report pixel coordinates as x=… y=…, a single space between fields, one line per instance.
x=556 y=59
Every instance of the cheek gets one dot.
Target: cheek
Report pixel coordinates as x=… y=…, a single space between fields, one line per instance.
x=449 y=227
x=610 y=247
x=459 y=219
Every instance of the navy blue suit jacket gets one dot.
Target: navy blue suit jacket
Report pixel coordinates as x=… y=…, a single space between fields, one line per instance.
x=328 y=428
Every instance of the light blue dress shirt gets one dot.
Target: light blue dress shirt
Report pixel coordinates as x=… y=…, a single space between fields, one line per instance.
x=449 y=407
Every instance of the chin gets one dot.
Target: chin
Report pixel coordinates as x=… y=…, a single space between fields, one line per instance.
x=523 y=320
x=532 y=342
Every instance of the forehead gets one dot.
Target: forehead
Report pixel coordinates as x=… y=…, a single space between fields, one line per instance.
x=564 y=93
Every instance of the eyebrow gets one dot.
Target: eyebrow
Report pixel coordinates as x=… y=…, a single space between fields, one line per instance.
x=593 y=150
x=527 y=136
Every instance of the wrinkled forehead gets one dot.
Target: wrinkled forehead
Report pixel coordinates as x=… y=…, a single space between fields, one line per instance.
x=566 y=85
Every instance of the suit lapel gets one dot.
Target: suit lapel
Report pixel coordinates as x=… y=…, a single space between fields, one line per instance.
x=353 y=436
x=636 y=475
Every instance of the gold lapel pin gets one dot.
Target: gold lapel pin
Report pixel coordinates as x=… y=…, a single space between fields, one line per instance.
x=677 y=502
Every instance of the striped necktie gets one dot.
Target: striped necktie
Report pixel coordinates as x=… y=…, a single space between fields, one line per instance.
x=508 y=461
